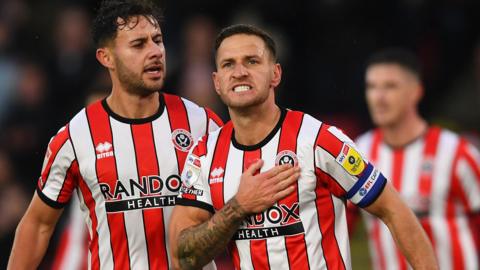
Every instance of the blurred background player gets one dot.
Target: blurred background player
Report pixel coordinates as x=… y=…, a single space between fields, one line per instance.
x=435 y=171
x=313 y=47
x=121 y=155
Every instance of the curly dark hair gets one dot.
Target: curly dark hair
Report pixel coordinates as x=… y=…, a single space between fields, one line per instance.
x=106 y=23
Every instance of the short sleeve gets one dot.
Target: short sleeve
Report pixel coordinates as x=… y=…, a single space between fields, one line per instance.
x=195 y=190
x=60 y=173
x=344 y=170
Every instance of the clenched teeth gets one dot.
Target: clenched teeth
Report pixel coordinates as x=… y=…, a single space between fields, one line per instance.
x=241 y=88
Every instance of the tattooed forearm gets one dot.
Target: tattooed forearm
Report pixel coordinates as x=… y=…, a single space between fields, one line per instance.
x=200 y=244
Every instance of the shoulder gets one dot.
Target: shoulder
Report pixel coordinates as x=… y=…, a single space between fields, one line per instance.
x=365 y=137
x=204 y=114
x=174 y=100
x=365 y=140
x=208 y=142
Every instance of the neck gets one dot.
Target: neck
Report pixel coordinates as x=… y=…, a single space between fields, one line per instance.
x=254 y=124
x=405 y=131
x=133 y=106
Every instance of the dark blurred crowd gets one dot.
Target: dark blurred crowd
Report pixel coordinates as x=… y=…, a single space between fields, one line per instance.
x=48 y=69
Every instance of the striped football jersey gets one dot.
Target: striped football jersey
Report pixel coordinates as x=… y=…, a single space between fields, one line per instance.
x=126 y=175
x=305 y=230
x=438 y=176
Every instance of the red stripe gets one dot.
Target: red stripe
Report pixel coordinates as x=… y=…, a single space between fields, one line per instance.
x=147 y=165
x=84 y=259
x=258 y=248
x=107 y=173
x=397 y=166
x=376 y=140
x=69 y=184
x=235 y=256
x=326 y=221
x=212 y=116
x=93 y=245
x=429 y=153
x=457 y=253
x=426 y=174
x=397 y=176
x=201 y=147
x=177 y=114
x=331 y=183
x=295 y=245
x=52 y=150
x=375 y=231
x=377 y=242
x=328 y=141
x=219 y=162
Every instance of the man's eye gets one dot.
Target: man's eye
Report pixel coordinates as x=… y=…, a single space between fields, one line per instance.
x=227 y=65
x=252 y=61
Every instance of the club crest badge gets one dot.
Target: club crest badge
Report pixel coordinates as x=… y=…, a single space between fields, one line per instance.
x=285 y=157
x=182 y=139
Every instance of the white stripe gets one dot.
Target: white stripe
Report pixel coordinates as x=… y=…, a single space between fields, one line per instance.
x=167 y=165
x=374 y=255
x=277 y=253
x=58 y=171
x=364 y=143
x=233 y=171
x=212 y=125
x=470 y=258
x=85 y=150
x=306 y=191
x=469 y=183
x=389 y=247
x=440 y=188
x=385 y=162
x=197 y=119
x=412 y=163
x=127 y=169
x=341 y=229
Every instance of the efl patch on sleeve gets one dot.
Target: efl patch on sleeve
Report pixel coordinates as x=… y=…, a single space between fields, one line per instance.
x=192 y=170
x=351 y=160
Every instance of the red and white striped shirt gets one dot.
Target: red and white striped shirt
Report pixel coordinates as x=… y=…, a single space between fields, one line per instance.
x=305 y=230
x=126 y=175
x=438 y=176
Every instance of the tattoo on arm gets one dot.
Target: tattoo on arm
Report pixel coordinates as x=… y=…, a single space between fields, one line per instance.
x=200 y=244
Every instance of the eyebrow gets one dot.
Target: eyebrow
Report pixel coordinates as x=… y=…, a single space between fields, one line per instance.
x=144 y=38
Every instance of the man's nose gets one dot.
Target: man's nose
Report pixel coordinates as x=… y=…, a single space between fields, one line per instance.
x=240 y=71
x=156 y=50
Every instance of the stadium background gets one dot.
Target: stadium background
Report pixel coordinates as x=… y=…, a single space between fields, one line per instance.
x=48 y=70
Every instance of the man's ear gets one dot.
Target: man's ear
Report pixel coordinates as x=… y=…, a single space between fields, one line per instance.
x=105 y=57
x=216 y=83
x=277 y=75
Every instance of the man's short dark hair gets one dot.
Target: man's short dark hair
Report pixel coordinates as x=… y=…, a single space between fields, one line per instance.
x=247 y=30
x=402 y=57
x=106 y=23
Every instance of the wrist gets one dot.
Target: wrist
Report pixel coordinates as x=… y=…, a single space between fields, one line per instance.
x=238 y=209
